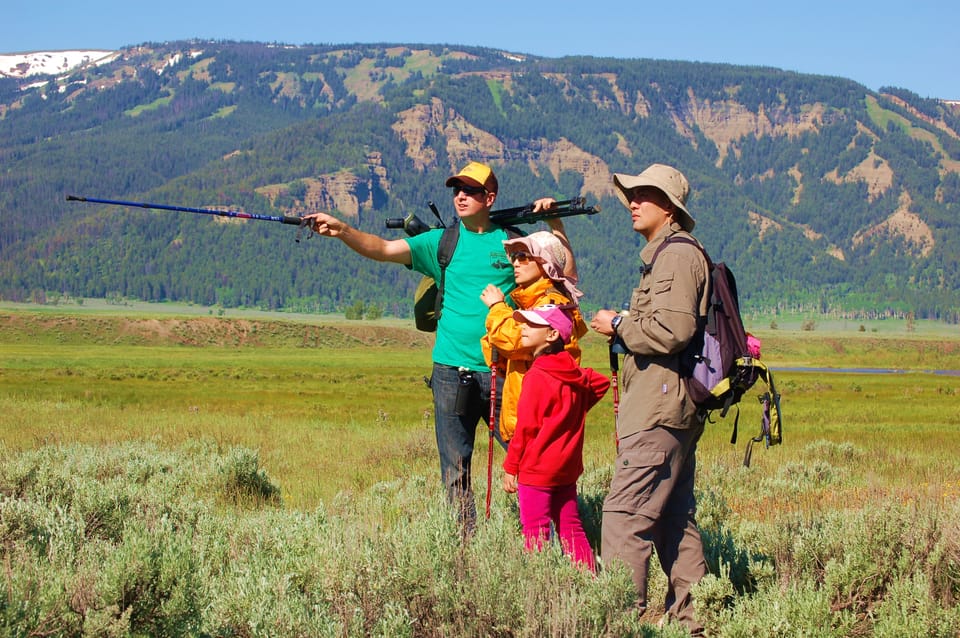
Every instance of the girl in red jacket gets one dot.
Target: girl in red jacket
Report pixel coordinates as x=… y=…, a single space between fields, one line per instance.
x=545 y=455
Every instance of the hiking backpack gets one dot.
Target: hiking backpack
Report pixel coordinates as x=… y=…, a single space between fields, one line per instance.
x=428 y=298
x=717 y=365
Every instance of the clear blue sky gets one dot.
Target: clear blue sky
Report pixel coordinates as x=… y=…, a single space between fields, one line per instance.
x=914 y=45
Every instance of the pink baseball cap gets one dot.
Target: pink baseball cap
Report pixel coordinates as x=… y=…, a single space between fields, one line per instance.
x=552 y=316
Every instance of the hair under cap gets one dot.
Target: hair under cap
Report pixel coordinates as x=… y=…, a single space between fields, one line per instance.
x=475 y=174
x=667 y=180
x=553 y=316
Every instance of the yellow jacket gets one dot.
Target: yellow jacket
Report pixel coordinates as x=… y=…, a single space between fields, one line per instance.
x=503 y=333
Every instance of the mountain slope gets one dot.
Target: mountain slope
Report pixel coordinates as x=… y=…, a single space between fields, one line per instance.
x=822 y=194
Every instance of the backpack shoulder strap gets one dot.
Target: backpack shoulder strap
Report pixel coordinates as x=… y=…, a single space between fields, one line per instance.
x=678 y=239
x=513 y=232
x=448 y=243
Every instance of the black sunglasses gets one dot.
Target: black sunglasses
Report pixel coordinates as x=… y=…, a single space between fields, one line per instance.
x=521 y=257
x=468 y=190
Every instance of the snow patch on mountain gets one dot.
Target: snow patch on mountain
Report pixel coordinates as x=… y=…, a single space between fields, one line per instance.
x=22 y=65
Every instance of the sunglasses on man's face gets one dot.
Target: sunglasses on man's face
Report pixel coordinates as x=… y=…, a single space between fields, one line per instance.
x=468 y=190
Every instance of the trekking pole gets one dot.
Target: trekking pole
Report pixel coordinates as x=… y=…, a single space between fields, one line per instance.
x=615 y=386
x=617 y=348
x=283 y=219
x=491 y=422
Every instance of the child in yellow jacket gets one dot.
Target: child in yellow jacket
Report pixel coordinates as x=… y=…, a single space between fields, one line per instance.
x=539 y=261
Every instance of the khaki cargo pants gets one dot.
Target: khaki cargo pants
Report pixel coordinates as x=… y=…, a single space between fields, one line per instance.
x=651 y=505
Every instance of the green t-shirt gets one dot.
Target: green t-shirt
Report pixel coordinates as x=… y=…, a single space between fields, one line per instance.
x=478 y=260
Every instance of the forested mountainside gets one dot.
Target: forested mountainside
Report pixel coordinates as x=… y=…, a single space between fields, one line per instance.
x=822 y=194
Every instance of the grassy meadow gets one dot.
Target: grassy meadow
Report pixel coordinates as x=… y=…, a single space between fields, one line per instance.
x=299 y=488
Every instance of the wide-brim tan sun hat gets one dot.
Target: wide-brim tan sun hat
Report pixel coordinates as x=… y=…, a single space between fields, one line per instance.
x=666 y=179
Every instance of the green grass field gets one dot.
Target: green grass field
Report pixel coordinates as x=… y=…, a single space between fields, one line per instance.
x=340 y=420
x=340 y=405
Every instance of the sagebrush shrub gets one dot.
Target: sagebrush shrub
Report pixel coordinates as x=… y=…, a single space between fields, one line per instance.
x=132 y=539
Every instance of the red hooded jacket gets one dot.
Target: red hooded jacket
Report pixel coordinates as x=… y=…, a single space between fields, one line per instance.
x=547 y=448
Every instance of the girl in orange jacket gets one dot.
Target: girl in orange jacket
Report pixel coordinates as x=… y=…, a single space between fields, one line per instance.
x=539 y=263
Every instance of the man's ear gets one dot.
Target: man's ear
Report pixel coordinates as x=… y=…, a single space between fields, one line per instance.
x=491 y=197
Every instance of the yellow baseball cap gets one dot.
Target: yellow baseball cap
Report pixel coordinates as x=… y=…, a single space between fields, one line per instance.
x=476 y=174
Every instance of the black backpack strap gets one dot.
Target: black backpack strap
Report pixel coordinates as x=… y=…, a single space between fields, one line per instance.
x=513 y=232
x=549 y=294
x=681 y=239
x=448 y=243
x=674 y=239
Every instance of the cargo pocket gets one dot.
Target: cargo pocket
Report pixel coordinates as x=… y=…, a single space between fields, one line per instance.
x=635 y=476
x=663 y=284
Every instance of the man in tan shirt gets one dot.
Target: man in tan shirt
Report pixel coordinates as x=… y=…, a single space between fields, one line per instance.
x=651 y=502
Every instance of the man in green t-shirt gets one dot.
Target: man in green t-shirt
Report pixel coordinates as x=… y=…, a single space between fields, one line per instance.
x=458 y=364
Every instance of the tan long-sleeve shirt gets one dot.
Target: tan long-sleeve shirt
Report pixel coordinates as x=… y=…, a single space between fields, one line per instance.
x=663 y=318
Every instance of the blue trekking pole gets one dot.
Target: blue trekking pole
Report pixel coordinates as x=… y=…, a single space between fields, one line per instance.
x=283 y=219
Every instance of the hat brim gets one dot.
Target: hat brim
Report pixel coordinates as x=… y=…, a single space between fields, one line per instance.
x=550 y=266
x=531 y=317
x=564 y=329
x=524 y=242
x=626 y=183
x=466 y=181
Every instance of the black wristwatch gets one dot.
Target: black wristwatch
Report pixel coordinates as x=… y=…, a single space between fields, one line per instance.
x=615 y=322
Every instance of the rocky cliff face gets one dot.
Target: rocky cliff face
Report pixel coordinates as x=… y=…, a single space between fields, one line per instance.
x=342 y=191
x=724 y=123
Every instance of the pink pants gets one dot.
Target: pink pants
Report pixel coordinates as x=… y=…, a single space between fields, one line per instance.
x=539 y=506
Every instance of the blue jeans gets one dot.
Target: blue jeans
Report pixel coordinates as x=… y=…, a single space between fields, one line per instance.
x=456 y=434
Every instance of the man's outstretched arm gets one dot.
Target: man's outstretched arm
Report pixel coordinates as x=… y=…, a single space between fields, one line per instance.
x=365 y=244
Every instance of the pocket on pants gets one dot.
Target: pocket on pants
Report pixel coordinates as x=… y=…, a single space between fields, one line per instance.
x=635 y=477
